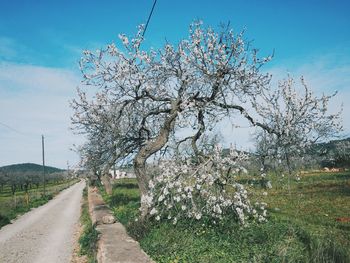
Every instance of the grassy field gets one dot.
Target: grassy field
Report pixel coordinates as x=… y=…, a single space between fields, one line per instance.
x=304 y=226
x=14 y=205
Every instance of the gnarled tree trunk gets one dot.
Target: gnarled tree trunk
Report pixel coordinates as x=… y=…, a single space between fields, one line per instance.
x=146 y=151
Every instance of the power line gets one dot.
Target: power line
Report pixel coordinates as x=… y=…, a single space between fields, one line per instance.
x=149 y=18
x=17 y=131
x=9 y=127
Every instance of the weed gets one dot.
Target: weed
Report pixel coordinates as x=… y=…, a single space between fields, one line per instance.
x=4 y=220
x=89 y=238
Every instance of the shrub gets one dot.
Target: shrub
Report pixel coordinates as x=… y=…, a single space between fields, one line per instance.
x=208 y=189
x=4 y=220
x=88 y=239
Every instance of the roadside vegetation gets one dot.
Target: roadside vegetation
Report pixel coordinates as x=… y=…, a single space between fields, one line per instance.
x=89 y=237
x=22 y=190
x=304 y=225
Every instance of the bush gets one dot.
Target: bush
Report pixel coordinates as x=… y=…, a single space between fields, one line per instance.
x=208 y=189
x=4 y=220
x=88 y=241
x=121 y=197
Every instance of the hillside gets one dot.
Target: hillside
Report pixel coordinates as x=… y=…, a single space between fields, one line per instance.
x=331 y=145
x=29 y=167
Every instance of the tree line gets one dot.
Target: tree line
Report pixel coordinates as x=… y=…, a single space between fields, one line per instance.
x=25 y=181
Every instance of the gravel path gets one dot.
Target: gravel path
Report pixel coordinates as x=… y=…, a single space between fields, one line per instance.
x=45 y=234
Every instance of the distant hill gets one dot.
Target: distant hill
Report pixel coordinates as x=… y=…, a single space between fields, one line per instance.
x=29 y=167
x=326 y=147
x=335 y=153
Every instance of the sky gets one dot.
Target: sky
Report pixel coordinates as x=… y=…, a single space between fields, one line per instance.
x=41 y=43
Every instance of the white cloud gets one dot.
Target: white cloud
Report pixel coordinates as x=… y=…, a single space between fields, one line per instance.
x=35 y=100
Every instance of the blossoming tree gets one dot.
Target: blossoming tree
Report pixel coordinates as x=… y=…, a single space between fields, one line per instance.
x=142 y=98
x=298 y=119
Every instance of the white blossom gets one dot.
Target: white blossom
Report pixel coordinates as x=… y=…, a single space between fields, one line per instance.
x=153 y=211
x=186 y=197
x=198 y=216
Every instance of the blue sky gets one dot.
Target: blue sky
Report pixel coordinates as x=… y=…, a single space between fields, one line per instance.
x=51 y=33
x=41 y=42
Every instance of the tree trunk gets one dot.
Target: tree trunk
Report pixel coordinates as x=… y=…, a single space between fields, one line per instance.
x=27 y=198
x=142 y=180
x=13 y=189
x=289 y=171
x=147 y=150
x=107 y=184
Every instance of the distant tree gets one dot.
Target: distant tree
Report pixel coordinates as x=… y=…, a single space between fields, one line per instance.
x=95 y=154
x=339 y=153
x=3 y=180
x=57 y=177
x=15 y=181
x=25 y=181
x=36 y=179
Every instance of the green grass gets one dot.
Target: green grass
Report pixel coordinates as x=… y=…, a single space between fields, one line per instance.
x=317 y=200
x=88 y=239
x=12 y=206
x=124 y=201
x=302 y=226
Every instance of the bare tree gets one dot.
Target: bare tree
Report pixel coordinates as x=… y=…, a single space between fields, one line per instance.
x=142 y=98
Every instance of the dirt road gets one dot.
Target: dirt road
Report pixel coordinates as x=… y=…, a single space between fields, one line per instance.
x=45 y=234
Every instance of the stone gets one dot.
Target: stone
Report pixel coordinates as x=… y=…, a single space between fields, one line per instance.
x=108 y=219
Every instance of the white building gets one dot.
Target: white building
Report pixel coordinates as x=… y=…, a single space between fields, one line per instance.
x=118 y=174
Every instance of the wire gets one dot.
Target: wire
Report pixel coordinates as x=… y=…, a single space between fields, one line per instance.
x=15 y=130
x=9 y=127
x=149 y=18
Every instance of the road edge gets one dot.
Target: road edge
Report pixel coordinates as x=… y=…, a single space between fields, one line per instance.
x=114 y=244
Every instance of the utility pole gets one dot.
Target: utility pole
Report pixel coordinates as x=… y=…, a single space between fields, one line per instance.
x=67 y=169
x=68 y=177
x=43 y=150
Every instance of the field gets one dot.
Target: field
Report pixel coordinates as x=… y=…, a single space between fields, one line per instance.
x=19 y=203
x=308 y=222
